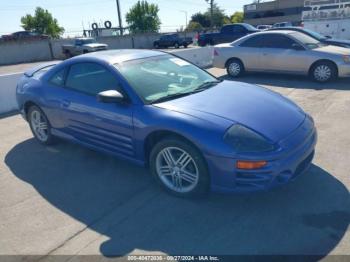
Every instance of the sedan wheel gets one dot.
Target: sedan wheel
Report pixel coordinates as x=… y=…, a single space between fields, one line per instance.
x=323 y=72
x=235 y=68
x=179 y=168
x=39 y=125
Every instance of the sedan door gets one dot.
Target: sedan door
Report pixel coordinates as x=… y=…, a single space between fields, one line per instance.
x=280 y=53
x=106 y=126
x=249 y=52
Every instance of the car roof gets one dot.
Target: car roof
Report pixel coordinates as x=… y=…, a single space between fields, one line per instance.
x=281 y=31
x=84 y=38
x=119 y=55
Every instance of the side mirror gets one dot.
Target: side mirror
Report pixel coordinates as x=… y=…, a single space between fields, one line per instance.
x=110 y=96
x=298 y=47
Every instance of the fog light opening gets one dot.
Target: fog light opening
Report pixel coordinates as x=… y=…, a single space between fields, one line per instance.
x=250 y=164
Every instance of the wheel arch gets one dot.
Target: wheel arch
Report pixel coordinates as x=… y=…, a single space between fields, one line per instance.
x=28 y=104
x=154 y=137
x=324 y=60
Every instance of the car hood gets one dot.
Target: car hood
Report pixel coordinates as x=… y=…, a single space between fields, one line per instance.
x=95 y=45
x=336 y=50
x=340 y=41
x=260 y=109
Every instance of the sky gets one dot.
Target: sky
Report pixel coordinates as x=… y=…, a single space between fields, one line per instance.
x=73 y=15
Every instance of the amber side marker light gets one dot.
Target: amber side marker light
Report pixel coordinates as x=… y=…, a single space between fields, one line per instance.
x=250 y=164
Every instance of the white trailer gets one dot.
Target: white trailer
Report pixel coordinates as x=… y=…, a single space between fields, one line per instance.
x=328 y=17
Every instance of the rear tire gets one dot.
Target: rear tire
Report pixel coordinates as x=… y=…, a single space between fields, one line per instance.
x=179 y=168
x=40 y=125
x=323 y=72
x=235 y=68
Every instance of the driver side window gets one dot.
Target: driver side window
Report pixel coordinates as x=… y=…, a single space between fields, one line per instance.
x=91 y=79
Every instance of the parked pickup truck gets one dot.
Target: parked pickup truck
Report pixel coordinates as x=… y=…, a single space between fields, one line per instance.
x=227 y=34
x=172 y=40
x=83 y=46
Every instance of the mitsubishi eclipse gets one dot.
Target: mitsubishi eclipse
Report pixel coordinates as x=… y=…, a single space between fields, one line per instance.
x=195 y=132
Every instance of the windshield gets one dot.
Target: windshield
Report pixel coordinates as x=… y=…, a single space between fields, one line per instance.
x=308 y=41
x=315 y=34
x=250 y=27
x=164 y=76
x=88 y=41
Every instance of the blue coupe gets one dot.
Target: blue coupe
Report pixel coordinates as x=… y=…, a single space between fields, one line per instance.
x=192 y=130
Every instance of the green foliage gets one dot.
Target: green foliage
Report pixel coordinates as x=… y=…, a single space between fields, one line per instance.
x=43 y=23
x=201 y=19
x=143 y=17
x=194 y=26
x=219 y=17
x=237 y=17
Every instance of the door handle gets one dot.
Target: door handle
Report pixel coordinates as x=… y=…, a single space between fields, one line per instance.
x=265 y=54
x=65 y=103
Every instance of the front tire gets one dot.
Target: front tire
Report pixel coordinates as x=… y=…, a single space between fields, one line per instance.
x=179 y=168
x=234 y=68
x=177 y=45
x=323 y=72
x=40 y=125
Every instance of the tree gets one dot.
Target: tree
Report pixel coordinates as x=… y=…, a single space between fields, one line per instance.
x=201 y=19
x=143 y=17
x=237 y=17
x=218 y=15
x=43 y=23
x=194 y=26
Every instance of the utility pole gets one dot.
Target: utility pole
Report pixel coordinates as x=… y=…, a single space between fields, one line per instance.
x=119 y=18
x=211 y=3
x=185 y=12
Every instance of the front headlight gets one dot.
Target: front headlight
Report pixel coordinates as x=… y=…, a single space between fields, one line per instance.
x=243 y=139
x=346 y=58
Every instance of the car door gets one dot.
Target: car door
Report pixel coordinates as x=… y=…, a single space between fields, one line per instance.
x=78 y=47
x=249 y=52
x=232 y=32
x=280 y=53
x=167 y=41
x=106 y=126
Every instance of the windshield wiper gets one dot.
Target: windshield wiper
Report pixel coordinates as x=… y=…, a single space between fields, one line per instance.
x=170 y=97
x=206 y=85
x=200 y=88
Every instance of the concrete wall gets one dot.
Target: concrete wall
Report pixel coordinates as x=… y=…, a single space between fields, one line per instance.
x=14 y=52
x=202 y=57
x=24 y=51
x=8 y=85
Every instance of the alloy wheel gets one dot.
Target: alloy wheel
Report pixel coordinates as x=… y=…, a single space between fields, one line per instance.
x=39 y=125
x=177 y=169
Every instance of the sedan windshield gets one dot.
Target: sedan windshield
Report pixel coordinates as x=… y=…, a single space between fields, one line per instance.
x=315 y=34
x=308 y=41
x=164 y=77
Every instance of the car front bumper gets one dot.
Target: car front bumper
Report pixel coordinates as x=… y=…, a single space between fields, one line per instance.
x=280 y=170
